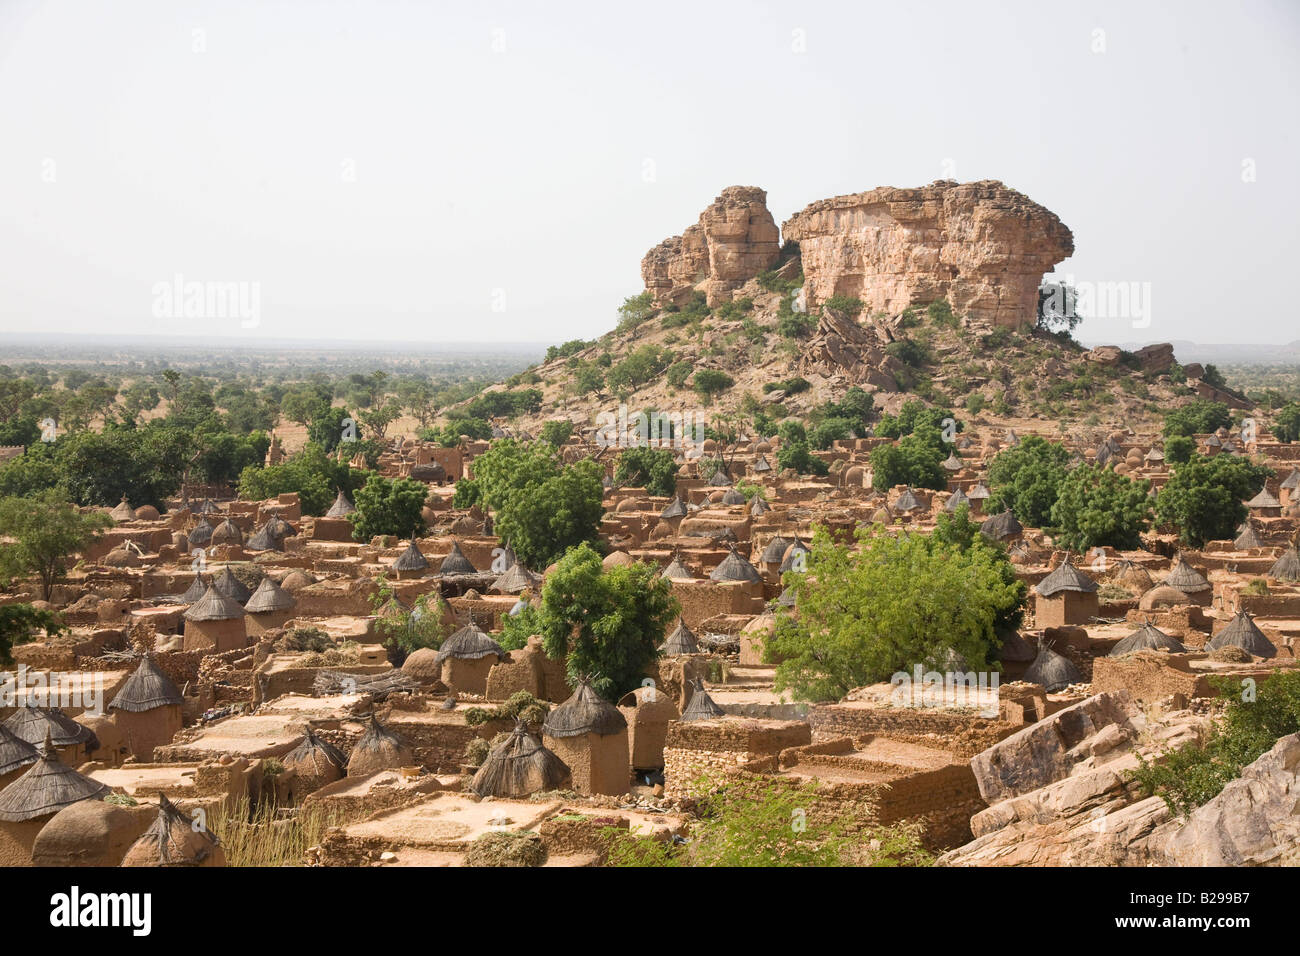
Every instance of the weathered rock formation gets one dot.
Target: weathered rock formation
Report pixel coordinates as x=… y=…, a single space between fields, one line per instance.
x=842 y=347
x=982 y=246
x=735 y=239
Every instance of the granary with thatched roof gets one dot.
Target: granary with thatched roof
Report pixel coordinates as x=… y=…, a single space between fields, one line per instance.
x=379 y=748
x=676 y=571
x=311 y=765
x=1148 y=637
x=1243 y=632
x=519 y=765
x=27 y=804
x=1287 y=566
x=147 y=710
x=456 y=563
x=269 y=607
x=680 y=641
x=411 y=563
x=1066 y=596
x=701 y=705
x=1185 y=578
x=228 y=584
x=123 y=511
x=39 y=725
x=735 y=568
x=1053 y=670
x=516 y=579
x=1002 y=527
x=1265 y=504
x=466 y=659
x=589 y=734
x=174 y=840
x=214 y=623
x=16 y=755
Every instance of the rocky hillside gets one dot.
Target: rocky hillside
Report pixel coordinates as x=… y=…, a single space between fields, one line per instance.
x=927 y=293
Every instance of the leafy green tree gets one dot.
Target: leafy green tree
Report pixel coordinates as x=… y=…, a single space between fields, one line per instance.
x=1098 y=508
x=914 y=414
x=145 y=464
x=306 y=403
x=1179 y=449
x=710 y=382
x=542 y=520
x=18 y=625
x=915 y=460
x=389 y=506
x=1205 y=498
x=796 y=452
x=635 y=310
x=1197 y=418
x=654 y=469
x=1286 y=422
x=328 y=427
x=404 y=633
x=312 y=474
x=893 y=603
x=557 y=431
x=609 y=623
x=1027 y=479
x=46 y=530
x=378 y=417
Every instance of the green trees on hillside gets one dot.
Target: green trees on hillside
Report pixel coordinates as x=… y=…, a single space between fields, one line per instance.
x=1027 y=479
x=1095 y=507
x=1205 y=497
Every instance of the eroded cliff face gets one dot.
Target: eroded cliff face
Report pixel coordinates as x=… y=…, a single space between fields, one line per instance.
x=735 y=239
x=982 y=246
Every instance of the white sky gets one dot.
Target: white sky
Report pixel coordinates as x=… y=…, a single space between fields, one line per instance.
x=127 y=157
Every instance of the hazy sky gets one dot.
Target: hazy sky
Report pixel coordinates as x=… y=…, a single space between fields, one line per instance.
x=493 y=171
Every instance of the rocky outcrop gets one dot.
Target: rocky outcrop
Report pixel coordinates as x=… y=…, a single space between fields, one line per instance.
x=1255 y=821
x=842 y=347
x=982 y=246
x=735 y=239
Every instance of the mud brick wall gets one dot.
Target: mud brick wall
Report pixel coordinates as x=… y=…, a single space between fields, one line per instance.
x=696 y=749
x=1148 y=678
x=961 y=734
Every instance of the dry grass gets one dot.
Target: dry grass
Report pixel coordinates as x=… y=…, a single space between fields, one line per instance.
x=266 y=836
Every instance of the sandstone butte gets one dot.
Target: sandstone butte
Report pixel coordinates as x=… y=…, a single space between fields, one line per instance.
x=982 y=246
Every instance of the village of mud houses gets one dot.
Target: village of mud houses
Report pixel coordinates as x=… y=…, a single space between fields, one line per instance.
x=751 y=436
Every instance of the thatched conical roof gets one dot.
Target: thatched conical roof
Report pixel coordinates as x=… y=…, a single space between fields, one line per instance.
x=46 y=788
x=719 y=479
x=953 y=462
x=735 y=568
x=702 y=706
x=227 y=533
x=201 y=535
x=269 y=597
x=978 y=491
x=378 y=748
x=585 y=712
x=207 y=507
x=521 y=764
x=1265 y=499
x=342 y=506
x=787 y=597
x=516 y=579
x=412 y=559
x=198 y=587
x=1247 y=539
x=1244 y=633
x=759 y=506
x=676 y=571
x=1001 y=526
x=955 y=501
x=1287 y=567
x=468 y=644
x=123 y=511
x=1292 y=481
x=675 y=508
x=1014 y=649
x=680 y=641
x=1066 y=577
x=213 y=606
x=1148 y=637
x=1186 y=578
x=147 y=688
x=15 y=752
x=761 y=465
x=733 y=497
x=266 y=539
x=1054 y=671
x=38 y=724
x=455 y=562
x=906 y=502
x=173 y=840
x=774 y=553
x=229 y=585
x=316 y=759
x=789 y=562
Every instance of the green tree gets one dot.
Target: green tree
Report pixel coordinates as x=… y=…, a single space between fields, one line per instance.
x=330 y=426
x=1197 y=418
x=609 y=623
x=557 y=431
x=893 y=603
x=1179 y=449
x=542 y=520
x=1027 y=479
x=389 y=506
x=1205 y=498
x=19 y=624
x=145 y=464
x=46 y=530
x=312 y=474
x=709 y=382
x=1286 y=422
x=915 y=460
x=654 y=469
x=1098 y=508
